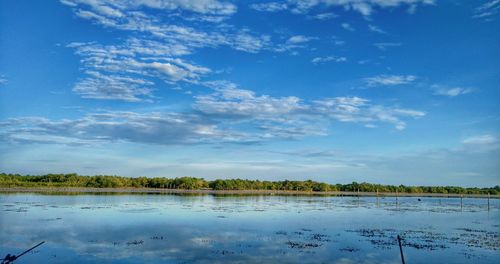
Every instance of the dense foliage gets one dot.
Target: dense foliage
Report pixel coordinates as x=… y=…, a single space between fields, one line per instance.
x=190 y=183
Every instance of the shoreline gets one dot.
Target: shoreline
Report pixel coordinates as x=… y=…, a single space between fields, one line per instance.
x=85 y=190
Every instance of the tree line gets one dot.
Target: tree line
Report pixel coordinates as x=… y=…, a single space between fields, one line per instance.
x=191 y=183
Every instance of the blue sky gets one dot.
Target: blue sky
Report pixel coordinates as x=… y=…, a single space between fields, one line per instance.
x=384 y=91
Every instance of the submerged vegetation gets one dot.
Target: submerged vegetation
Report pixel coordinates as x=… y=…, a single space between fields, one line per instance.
x=190 y=183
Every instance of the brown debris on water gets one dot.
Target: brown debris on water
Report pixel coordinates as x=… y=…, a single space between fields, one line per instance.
x=135 y=243
x=430 y=240
x=349 y=249
x=302 y=245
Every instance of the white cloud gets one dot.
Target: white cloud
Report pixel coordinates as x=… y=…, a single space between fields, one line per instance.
x=227 y=115
x=113 y=87
x=213 y=7
x=269 y=7
x=376 y=29
x=298 y=39
x=154 y=26
x=339 y=42
x=174 y=69
x=364 y=7
x=325 y=16
x=487 y=10
x=481 y=143
x=294 y=42
x=117 y=7
x=450 y=91
x=389 y=80
x=249 y=43
x=155 y=54
x=347 y=26
x=230 y=102
x=148 y=128
x=319 y=60
x=127 y=72
x=480 y=140
x=310 y=153
x=359 y=110
x=386 y=45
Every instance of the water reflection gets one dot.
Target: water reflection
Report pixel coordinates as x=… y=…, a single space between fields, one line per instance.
x=247 y=229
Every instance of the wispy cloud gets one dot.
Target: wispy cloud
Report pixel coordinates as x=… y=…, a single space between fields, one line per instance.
x=126 y=72
x=320 y=60
x=347 y=26
x=325 y=16
x=131 y=70
x=487 y=10
x=245 y=41
x=364 y=7
x=386 y=45
x=486 y=139
x=131 y=16
x=270 y=6
x=338 y=42
x=298 y=39
x=481 y=143
x=230 y=101
x=294 y=42
x=389 y=80
x=376 y=29
x=311 y=153
x=359 y=110
x=113 y=87
x=450 y=91
x=227 y=115
x=148 y=128
x=119 y=8
x=157 y=54
x=234 y=103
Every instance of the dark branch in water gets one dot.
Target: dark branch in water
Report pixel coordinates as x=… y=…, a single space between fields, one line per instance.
x=11 y=258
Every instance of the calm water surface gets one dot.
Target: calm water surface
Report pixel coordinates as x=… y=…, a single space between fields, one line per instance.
x=247 y=229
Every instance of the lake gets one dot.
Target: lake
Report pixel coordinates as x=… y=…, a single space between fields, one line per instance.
x=162 y=228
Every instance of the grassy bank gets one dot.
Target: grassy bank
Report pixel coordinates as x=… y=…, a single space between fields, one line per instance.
x=83 y=190
x=189 y=183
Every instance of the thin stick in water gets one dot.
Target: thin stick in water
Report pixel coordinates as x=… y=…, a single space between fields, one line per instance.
x=401 y=250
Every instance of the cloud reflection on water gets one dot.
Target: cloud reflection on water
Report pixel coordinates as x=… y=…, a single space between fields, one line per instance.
x=205 y=229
